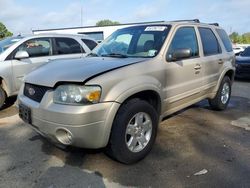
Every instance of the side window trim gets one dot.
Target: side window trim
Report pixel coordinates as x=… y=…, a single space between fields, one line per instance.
x=197 y=41
x=216 y=37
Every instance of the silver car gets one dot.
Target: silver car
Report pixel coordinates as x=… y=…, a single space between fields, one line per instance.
x=19 y=56
x=137 y=76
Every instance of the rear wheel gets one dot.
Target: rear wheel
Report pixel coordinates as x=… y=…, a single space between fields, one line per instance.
x=223 y=95
x=134 y=131
x=2 y=97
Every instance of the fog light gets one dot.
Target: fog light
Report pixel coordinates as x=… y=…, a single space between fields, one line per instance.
x=64 y=136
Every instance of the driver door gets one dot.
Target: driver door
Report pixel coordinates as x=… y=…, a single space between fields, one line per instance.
x=183 y=75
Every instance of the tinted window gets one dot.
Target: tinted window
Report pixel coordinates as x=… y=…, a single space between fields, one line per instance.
x=67 y=46
x=246 y=52
x=184 y=38
x=225 y=39
x=90 y=43
x=209 y=42
x=37 y=47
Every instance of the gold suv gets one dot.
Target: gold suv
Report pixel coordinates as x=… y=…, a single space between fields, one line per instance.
x=116 y=97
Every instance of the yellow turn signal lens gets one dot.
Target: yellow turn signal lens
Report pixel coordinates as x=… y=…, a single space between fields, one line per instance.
x=94 y=96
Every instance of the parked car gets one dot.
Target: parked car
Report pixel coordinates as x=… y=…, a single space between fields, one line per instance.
x=20 y=56
x=237 y=50
x=243 y=64
x=137 y=76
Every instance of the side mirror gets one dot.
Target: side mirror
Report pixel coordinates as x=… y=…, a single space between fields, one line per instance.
x=21 y=55
x=179 y=54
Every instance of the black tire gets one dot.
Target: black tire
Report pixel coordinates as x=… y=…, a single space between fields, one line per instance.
x=2 y=97
x=216 y=103
x=117 y=147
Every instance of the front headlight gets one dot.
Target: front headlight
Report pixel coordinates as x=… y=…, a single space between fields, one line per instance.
x=77 y=94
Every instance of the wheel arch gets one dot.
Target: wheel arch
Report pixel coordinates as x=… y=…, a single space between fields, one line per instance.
x=4 y=86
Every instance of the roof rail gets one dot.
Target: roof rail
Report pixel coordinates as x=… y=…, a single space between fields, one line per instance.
x=193 y=20
x=216 y=24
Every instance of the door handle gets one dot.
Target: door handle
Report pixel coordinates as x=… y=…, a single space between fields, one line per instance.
x=220 y=61
x=197 y=67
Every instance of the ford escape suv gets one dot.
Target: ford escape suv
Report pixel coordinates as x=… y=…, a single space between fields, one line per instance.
x=116 y=97
x=19 y=56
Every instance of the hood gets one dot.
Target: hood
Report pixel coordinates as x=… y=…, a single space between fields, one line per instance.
x=76 y=70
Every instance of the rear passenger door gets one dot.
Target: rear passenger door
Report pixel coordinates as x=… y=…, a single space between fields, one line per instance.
x=212 y=61
x=67 y=48
x=184 y=76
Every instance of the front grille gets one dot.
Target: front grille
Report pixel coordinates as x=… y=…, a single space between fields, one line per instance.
x=35 y=92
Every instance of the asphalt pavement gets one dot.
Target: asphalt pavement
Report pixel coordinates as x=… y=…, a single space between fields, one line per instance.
x=196 y=147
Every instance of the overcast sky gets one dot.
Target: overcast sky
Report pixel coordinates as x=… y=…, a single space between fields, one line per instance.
x=21 y=16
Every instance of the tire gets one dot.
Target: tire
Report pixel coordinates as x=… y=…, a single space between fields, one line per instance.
x=124 y=147
x=2 y=97
x=221 y=100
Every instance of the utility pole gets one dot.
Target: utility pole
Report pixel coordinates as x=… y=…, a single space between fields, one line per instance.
x=81 y=15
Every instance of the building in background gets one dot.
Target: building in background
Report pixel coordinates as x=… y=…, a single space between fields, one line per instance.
x=95 y=32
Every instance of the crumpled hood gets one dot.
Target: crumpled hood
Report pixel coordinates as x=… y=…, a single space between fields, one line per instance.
x=76 y=70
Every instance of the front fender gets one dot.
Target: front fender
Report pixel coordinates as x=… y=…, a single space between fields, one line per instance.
x=126 y=88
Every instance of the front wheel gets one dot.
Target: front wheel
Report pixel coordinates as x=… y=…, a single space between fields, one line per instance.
x=133 y=132
x=2 y=97
x=223 y=95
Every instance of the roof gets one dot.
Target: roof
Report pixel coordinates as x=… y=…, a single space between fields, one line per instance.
x=175 y=22
x=65 y=28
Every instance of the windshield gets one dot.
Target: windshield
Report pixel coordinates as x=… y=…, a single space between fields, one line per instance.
x=246 y=52
x=7 y=42
x=136 y=41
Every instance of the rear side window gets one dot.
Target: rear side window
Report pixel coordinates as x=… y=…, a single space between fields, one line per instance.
x=209 y=42
x=225 y=39
x=90 y=43
x=184 y=38
x=67 y=46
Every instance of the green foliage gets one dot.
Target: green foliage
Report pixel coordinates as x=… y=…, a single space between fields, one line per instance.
x=241 y=39
x=4 y=31
x=106 y=23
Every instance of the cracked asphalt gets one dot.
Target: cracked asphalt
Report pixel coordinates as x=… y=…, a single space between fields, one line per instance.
x=188 y=142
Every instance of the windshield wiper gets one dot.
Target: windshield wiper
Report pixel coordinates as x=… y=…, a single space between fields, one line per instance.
x=92 y=55
x=115 y=55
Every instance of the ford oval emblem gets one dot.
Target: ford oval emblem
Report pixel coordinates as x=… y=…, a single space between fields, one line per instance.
x=31 y=91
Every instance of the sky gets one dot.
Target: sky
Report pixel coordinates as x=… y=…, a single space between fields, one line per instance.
x=23 y=16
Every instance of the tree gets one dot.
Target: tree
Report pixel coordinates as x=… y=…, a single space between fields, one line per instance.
x=106 y=22
x=4 y=32
x=234 y=37
x=241 y=39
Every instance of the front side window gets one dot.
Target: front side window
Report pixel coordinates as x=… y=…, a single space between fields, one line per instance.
x=225 y=39
x=184 y=38
x=136 y=41
x=67 y=46
x=37 y=47
x=209 y=42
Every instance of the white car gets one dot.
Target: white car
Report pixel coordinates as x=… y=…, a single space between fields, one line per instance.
x=19 y=56
x=237 y=50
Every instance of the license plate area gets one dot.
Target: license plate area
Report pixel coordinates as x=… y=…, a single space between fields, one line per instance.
x=25 y=113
